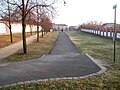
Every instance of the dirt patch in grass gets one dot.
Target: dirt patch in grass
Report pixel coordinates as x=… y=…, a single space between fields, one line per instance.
x=36 y=49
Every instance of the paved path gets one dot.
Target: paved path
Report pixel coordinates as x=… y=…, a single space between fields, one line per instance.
x=64 y=61
x=13 y=48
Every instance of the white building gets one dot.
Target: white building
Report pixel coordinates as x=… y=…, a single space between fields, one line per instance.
x=109 y=25
x=72 y=28
x=17 y=28
x=59 y=27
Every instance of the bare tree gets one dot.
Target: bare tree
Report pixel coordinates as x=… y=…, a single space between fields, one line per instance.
x=5 y=14
x=30 y=22
x=25 y=7
x=46 y=23
x=38 y=18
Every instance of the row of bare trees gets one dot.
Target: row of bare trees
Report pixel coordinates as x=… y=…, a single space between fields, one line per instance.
x=32 y=12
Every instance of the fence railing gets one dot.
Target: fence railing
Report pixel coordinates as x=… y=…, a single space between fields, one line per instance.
x=107 y=34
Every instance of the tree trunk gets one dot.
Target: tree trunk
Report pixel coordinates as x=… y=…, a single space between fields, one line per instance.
x=23 y=29
x=37 y=24
x=37 y=33
x=9 y=13
x=24 y=37
x=11 y=39
x=42 y=32
x=103 y=33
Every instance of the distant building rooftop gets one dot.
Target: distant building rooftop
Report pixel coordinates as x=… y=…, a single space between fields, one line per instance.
x=111 y=25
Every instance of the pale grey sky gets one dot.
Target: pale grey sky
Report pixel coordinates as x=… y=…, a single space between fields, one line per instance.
x=80 y=11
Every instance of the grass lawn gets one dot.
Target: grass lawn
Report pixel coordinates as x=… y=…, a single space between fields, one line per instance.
x=5 y=39
x=99 y=48
x=96 y=46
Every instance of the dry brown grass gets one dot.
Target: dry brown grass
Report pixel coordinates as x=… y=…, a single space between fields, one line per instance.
x=36 y=49
x=5 y=39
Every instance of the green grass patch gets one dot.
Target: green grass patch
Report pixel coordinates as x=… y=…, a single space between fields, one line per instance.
x=36 y=49
x=96 y=46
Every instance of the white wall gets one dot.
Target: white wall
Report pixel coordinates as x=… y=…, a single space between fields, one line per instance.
x=2 y=28
x=17 y=28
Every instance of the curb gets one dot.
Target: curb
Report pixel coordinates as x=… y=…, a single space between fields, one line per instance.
x=103 y=69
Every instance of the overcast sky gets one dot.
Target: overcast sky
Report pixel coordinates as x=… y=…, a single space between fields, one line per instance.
x=80 y=11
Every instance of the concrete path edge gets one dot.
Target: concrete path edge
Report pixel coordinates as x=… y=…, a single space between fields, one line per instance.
x=54 y=43
x=99 y=64
x=103 y=69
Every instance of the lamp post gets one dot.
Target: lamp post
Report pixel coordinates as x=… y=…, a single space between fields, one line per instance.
x=114 y=32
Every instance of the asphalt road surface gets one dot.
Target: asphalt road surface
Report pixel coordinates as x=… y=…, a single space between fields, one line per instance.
x=63 y=61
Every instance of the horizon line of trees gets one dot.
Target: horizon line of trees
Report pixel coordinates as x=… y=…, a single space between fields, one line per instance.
x=93 y=25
